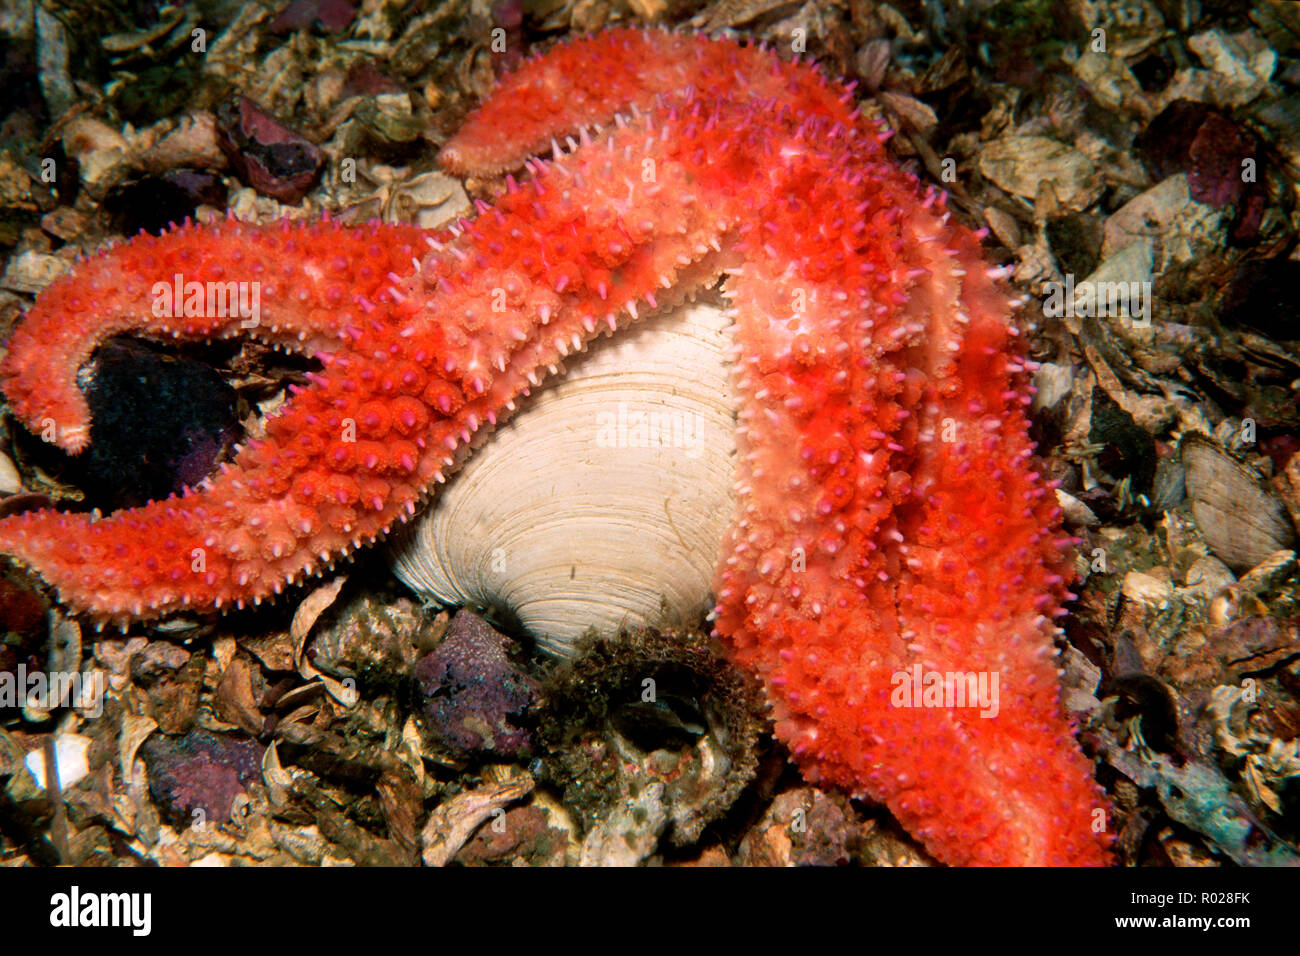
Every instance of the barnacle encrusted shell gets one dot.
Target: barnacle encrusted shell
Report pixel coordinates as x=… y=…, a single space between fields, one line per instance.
x=602 y=502
x=646 y=733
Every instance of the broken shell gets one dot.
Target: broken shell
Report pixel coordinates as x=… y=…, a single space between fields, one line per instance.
x=1207 y=577
x=537 y=833
x=1271 y=573
x=1077 y=514
x=803 y=827
x=1168 y=218
x=103 y=153
x=452 y=823
x=1233 y=604
x=10 y=482
x=30 y=271
x=430 y=201
x=603 y=502
x=390 y=118
x=70 y=761
x=168 y=19
x=1021 y=164
x=370 y=639
x=1242 y=520
x=1243 y=62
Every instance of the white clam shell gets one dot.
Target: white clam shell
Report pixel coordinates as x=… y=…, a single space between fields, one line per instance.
x=603 y=501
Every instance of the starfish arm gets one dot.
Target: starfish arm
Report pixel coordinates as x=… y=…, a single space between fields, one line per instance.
x=306 y=281
x=445 y=350
x=891 y=521
x=590 y=79
x=984 y=570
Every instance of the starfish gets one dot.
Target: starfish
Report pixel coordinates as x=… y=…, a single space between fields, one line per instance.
x=892 y=523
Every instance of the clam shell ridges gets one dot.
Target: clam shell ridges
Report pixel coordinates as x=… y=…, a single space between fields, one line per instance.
x=603 y=501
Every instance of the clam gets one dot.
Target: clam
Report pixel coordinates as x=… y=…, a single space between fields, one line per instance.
x=1242 y=519
x=602 y=502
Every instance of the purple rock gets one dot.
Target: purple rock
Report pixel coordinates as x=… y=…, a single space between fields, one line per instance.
x=1212 y=149
x=332 y=15
x=271 y=158
x=1216 y=156
x=364 y=80
x=473 y=693
x=200 y=771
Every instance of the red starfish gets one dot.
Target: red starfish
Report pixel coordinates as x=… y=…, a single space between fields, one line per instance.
x=891 y=522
